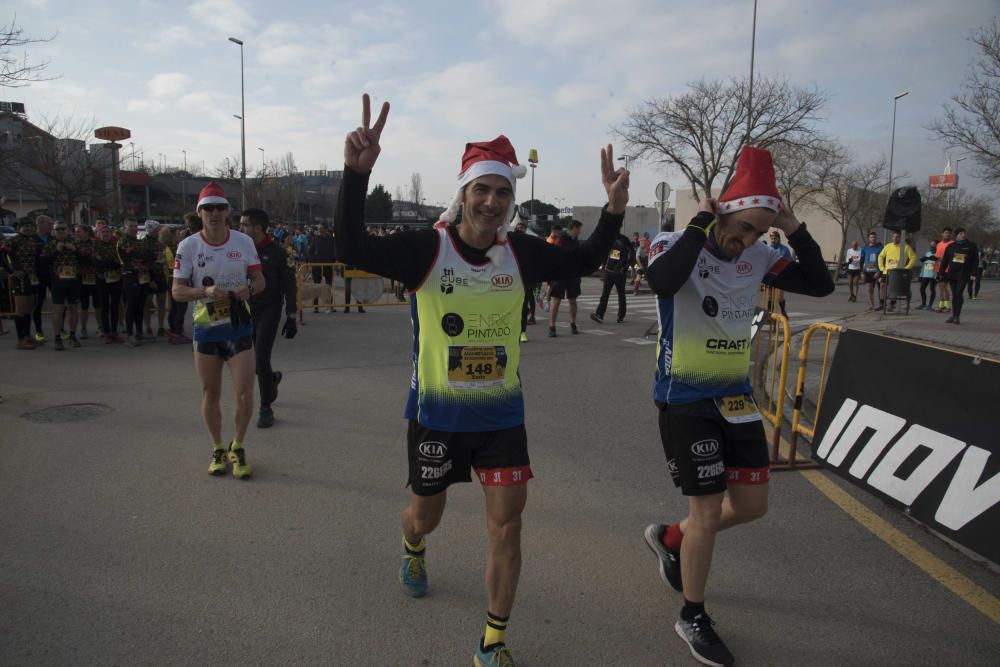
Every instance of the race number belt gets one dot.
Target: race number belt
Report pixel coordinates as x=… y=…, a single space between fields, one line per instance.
x=143 y=276
x=67 y=271
x=476 y=366
x=33 y=278
x=615 y=254
x=112 y=276
x=738 y=409
x=218 y=311
x=90 y=277
x=958 y=258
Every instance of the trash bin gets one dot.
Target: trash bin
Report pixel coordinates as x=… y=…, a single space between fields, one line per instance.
x=898 y=285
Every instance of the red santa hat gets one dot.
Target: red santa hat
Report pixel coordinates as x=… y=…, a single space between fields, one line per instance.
x=488 y=157
x=753 y=184
x=212 y=194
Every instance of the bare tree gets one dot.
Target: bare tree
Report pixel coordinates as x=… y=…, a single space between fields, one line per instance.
x=700 y=132
x=855 y=197
x=15 y=70
x=972 y=120
x=805 y=169
x=56 y=165
x=229 y=168
x=417 y=192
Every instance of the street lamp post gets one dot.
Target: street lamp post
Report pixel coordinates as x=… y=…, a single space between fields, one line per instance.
x=892 y=148
x=243 y=130
x=184 y=194
x=132 y=146
x=261 y=160
x=753 y=49
x=532 y=162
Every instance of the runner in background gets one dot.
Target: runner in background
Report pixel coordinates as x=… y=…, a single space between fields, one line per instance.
x=873 y=277
x=23 y=257
x=776 y=295
x=852 y=260
x=944 y=293
x=88 y=278
x=157 y=288
x=62 y=258
x=109 y=283
x=43 y=231
x=960 y=261
x=889 y=260
x=928 y=277
x=616 y=267
x=566 y=289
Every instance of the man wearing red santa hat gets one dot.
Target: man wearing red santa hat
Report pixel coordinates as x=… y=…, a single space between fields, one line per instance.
x=465 y=408
x=218 y=268
x=706 y=279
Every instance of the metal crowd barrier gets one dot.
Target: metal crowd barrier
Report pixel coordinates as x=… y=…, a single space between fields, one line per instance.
x=367 y=289
x=792 y=462
x=772 y=348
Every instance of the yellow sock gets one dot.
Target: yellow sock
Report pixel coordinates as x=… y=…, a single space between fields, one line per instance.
x=496 y=629
x=219 y=445
x=236 y=444
x=417 y=548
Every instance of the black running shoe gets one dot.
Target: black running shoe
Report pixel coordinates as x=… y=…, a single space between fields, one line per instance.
x=572 y=328
x=266 y=419
x=670 y=561
x=706 y=646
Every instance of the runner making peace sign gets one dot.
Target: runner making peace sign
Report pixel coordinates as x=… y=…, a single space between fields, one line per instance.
x=466 y=283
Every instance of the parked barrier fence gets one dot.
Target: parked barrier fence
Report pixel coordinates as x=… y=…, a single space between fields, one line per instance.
x=798 y=426
x=346 y=284
x=771 y=350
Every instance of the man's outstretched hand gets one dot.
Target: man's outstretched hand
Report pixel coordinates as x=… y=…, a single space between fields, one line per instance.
x=361 y=147
x=615 y=181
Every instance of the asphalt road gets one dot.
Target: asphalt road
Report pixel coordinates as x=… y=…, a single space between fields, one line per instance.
x=116 y=546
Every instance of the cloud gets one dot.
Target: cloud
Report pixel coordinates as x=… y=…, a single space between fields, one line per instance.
x=226 y=16
x=144 y=106
x=169 y=38
x=169 y=84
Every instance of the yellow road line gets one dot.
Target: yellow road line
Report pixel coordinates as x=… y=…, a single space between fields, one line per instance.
x=938 y=570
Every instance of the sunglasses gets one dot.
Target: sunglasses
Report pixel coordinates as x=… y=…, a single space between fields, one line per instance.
x=215 y=207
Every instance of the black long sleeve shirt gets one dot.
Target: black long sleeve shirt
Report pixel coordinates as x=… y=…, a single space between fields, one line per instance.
x=279 y=279
x=808 y=275
x=408 y=256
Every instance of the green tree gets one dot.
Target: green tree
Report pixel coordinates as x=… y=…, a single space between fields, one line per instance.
x=378 y=205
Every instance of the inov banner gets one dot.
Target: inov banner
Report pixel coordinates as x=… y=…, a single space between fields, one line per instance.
x=917 y=426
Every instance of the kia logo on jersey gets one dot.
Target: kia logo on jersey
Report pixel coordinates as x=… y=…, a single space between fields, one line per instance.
x=234 y=254
x=705 y=448
x=744 y=268
x=502 y=281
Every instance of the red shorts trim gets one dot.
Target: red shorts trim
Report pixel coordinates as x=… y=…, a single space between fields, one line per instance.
x=749 y=476
x=504 y=476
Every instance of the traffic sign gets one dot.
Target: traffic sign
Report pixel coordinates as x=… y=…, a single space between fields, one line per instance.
x=111 y=133
x=662 y=191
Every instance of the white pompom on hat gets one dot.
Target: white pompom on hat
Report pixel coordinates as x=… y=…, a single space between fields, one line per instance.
x=479 y=159
x=212 y=194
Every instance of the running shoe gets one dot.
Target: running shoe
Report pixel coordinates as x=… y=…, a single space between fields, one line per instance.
x=59 y=347
x=161 y=332
x=524 y=337
x=572 y=328
x=704 y=644
x=116 y=337
x=26 y=344
x=670 y=561
x=133 y=341
x=73 y=340
x=39 y=337
x=597 y=318
x=497 y=655
x=949 y=320
x=552 y=332
x=83 y=333
x=218 y=465
x=266 y=419
x=413 y=574
x=531 y=319
x=238 y=457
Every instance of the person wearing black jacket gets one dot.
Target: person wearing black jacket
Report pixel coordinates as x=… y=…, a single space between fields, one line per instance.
x=322 y=248
x=265 y=308
x=616 y=266
x=466 y=409
x=706 y=280
x=959 y=264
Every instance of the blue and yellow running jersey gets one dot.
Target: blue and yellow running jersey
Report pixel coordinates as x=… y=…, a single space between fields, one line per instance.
x=466 y=324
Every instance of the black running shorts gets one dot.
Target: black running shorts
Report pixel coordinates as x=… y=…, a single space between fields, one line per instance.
x=566 y=289
x=22 y=286
x=226 y=349
x=65 y=291
x=870 y=276
x=439 y=459
x=853 y=272
x=705 y=452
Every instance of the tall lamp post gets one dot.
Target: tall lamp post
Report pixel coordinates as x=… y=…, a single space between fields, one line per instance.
x=243 y=130
x=184 y=194
x=892 y=148
x=532 y=162
x=261 y=160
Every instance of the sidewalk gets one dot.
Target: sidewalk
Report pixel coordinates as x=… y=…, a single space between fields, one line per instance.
x=978 y=334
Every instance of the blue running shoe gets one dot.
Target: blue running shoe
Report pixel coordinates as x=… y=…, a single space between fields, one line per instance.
x=413 y=574
x=497 y=655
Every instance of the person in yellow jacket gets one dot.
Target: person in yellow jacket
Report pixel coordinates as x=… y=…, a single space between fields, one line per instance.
x=888 y=260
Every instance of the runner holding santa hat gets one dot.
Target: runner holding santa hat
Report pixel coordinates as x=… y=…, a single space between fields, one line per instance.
x=465 y=408
x=706 y=280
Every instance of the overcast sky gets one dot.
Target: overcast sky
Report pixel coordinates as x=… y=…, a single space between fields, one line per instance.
x=555 y=75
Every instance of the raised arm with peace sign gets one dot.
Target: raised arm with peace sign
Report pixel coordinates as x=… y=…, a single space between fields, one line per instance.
x=361 y=147
x=615 y=181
